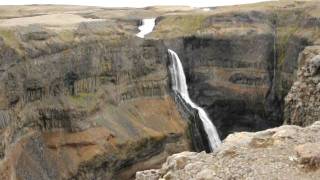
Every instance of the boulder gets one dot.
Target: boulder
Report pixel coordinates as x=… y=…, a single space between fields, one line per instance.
x=309 y=154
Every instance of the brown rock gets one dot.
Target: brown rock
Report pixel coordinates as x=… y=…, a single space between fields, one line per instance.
x=309 y=154
x=301 y=102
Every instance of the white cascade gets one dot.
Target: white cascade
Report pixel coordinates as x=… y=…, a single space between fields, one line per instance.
x=179 y=85
x=146 y=27
x=206 y=9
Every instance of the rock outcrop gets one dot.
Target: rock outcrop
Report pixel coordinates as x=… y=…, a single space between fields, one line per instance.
x=303 y=100
x=287 y=152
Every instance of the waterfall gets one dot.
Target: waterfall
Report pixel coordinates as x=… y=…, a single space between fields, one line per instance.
x=179 y=85
x=146 y=27
x=206 y=9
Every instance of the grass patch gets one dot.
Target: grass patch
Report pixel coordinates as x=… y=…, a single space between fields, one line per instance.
x=10 y=39
x=173 y=26
x=283 y=37
x=83 y=100
x=66 y=35
x=288 y=24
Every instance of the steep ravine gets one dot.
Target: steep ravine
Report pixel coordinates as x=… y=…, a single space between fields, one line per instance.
x=87 y=99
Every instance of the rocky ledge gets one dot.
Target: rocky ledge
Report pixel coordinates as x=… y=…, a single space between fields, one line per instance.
x=286 y=152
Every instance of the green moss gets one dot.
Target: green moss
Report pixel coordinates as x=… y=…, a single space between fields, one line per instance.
x=66 y=35
x=180 y=25
x=84 y=100
x=100 y=120
x=288 y=24
x=284 y=34
x=10 y=39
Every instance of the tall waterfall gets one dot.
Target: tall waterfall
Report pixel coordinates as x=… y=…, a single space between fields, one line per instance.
x=146 y=27
x=180 y=86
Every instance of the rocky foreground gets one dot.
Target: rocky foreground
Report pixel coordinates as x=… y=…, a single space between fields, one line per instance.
x=288 y=152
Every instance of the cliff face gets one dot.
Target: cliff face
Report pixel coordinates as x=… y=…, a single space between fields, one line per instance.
x=81 y=97
x=232 y=77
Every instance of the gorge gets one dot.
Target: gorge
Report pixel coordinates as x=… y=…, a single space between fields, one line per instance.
x=100 y=93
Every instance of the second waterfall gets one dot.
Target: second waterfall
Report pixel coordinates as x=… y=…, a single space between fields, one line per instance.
x=179 y=85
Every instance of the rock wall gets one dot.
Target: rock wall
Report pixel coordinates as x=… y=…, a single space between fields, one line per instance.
x=231 y=77
x=302 y=102
x=71 y=71
x=196 y=131
x=4 y=118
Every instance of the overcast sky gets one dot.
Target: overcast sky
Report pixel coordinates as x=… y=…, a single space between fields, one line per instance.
x=131 y=3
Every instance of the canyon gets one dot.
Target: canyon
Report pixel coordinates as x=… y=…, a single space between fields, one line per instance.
x=83 y=97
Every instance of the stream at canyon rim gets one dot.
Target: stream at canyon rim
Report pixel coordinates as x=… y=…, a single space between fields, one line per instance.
x=146 y=27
